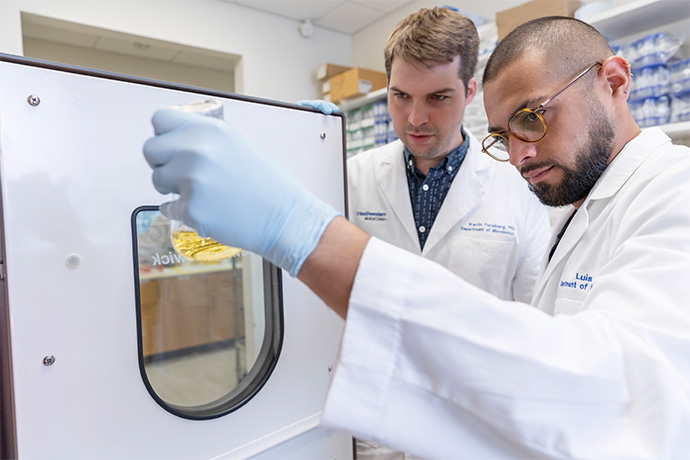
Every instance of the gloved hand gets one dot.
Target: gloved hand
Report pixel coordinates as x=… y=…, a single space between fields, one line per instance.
x=324 y=106
x=232 y=191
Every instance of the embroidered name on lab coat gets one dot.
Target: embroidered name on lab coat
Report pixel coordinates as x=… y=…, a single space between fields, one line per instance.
x=582 y=282
x=374 y=216
x=485 y=227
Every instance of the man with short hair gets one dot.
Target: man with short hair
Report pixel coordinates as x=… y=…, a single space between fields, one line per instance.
x=433 y=192
x=596 y=367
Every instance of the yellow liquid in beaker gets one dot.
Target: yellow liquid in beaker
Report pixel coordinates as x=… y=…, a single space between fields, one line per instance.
x=192 y=246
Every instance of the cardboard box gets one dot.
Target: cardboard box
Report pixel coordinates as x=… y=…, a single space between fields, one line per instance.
x=328 y=70
x=355 y=82
x=509 y=19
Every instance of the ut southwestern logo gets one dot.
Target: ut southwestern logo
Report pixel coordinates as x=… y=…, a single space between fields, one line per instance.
x=372 y=215
x=582 y=282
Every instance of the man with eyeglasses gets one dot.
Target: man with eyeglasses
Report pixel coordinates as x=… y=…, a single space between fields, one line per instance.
x=433 y=191
x=596 y=367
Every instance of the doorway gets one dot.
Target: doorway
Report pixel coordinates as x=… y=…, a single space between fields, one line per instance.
x=102 y=49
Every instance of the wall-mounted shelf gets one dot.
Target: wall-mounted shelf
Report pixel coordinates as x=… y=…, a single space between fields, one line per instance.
x=378 y=95
x=639 y=16
x=677 y=130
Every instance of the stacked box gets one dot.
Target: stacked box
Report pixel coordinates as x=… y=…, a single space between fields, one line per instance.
x=355 y=82
x=660 y=88
x=324 y=73
x=509 y=19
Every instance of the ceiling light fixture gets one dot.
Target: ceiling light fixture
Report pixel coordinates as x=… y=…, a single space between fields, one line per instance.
x=306 y=28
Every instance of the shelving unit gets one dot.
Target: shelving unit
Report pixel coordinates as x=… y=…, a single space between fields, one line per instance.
x=677 y=130
x=639 y=16
x=628 y=22
x=352 y=104
x=621 y=23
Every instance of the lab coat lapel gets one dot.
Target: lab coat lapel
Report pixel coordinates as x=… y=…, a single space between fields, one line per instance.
x=614 y=178
x=391 y=178
x=572 y=236
x=464 y=194
x=627 y=162
x=611 y=181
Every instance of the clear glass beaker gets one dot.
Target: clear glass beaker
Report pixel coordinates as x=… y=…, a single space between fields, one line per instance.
x=186 y=241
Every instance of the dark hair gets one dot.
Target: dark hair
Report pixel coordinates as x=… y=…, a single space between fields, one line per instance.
x=437 y=35
x=568 y=44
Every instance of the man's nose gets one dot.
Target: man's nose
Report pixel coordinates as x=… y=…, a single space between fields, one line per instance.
x=418 y=114
x=521 y=151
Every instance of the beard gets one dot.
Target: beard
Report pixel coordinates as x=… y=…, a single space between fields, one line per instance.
x=591 y=161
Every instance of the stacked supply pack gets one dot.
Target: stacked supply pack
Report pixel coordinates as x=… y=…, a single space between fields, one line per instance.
x=658 y=95
x=680 y=91
x=368 y=126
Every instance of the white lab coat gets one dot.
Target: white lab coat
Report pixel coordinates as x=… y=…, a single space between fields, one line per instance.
x=491 y=230
x=433 y=366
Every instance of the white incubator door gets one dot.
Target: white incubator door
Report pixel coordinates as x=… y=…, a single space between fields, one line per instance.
x=123 y=336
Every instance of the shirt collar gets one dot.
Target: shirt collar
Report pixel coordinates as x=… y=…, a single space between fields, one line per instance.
x=451 y=163
x=627 y=161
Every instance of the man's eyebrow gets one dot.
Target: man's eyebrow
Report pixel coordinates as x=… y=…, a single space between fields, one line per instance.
x=444 y=90
x=495 y=129
x=438 y=91
x=531 y=102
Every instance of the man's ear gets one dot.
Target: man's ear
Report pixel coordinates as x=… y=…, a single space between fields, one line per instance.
x=616 y=71
x=471 y=90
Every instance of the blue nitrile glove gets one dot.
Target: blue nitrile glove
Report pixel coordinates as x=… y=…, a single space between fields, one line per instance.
x=324 y=106
x=232 y=191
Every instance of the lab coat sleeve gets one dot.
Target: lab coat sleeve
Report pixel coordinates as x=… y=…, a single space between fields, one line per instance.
x=434 y=366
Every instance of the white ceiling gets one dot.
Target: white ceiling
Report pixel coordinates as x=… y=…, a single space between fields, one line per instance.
x=346 y=16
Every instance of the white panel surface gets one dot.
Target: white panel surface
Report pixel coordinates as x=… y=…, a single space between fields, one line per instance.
x=72 y=171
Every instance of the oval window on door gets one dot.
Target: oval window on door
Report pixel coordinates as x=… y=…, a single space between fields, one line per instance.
x=209 y=331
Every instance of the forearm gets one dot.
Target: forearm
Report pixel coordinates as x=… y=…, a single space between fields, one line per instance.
x=330 y=269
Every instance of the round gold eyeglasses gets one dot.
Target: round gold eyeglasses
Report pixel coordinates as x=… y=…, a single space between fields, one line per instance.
x=526 y=124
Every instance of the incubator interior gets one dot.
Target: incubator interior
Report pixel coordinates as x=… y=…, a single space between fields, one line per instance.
x=202 y=325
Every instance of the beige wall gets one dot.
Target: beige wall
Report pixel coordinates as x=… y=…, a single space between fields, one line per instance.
x=276 y=62
x=368 y=44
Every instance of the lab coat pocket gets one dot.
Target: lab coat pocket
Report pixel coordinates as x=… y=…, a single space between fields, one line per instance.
x=488 y=264
x=567 y=306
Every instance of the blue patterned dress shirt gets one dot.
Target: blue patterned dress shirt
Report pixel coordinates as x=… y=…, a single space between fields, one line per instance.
x=428 y=192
